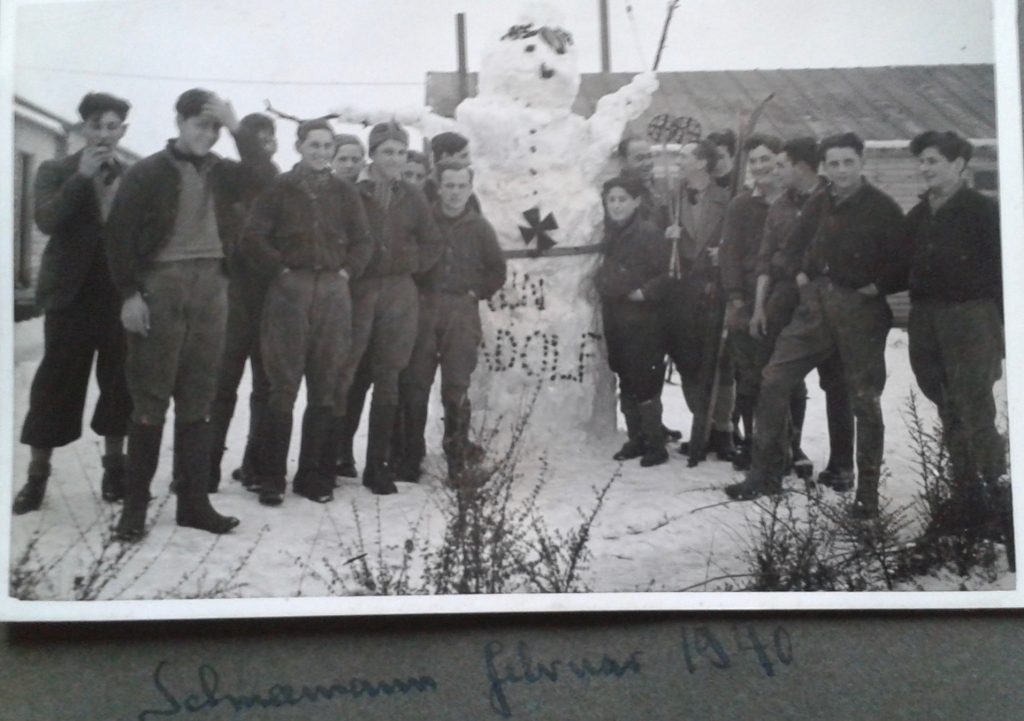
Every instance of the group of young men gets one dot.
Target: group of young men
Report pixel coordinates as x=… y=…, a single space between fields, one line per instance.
x=176 y=271
x=803 y=262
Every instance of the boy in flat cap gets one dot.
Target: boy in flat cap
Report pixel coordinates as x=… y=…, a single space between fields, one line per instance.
x=73 y=197
x=165 y=244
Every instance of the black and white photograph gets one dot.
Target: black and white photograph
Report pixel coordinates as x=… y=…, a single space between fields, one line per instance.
x=461 y=306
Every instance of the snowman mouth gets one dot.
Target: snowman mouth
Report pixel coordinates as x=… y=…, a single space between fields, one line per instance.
x=545 y=72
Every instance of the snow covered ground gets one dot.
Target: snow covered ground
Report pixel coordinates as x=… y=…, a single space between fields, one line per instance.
x=662 y=528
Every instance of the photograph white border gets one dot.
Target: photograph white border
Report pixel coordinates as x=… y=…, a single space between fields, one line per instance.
x=1011 y=183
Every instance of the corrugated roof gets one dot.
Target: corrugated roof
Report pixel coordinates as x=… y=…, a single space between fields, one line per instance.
x=880 y=103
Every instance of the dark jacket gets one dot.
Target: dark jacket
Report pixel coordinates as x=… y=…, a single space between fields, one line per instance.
x=407 y=239
x=471 y=258
x=634 y=257
x=67 y=209
x=142 y=219
x=954 y=252
x=741 y=243
x=782 y=248
x=701 y=226
x=858 y=240
x=299 y=225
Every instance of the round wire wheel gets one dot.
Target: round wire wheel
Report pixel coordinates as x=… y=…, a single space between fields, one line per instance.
x=683 y=130
x=659 y=127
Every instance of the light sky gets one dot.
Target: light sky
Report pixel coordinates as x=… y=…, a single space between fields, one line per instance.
x=386 y=46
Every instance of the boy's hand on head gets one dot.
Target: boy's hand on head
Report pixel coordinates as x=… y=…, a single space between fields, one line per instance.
x=223 y=111
x=135 y=315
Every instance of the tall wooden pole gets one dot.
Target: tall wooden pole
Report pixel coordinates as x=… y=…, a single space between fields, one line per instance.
x=460 y=35
x=606 y=51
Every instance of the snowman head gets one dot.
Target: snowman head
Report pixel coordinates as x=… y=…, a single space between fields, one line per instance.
x=534 y=62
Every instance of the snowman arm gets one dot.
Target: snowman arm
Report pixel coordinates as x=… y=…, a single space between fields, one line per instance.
x=423 y=119
x=613 y=112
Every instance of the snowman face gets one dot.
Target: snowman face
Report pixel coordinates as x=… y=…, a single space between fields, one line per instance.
x=533 y=66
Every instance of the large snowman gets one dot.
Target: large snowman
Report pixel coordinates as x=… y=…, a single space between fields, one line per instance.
x=538 y=169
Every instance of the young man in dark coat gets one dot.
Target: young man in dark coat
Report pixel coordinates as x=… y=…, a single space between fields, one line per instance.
x=855 y=260
x=956 y=320
x=470 y=270
x=634 y=255
x=309 y=233
x=165 y=245
x=247 y=287
x=385 y=299
x=687 y=286
x=788 y=232
x=738 y=257
x=72 y=201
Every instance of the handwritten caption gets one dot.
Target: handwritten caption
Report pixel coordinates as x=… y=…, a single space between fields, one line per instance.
x=507 y=670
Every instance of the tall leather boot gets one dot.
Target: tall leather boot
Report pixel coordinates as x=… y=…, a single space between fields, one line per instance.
x=745 y=410
x=377 y=476
x=194 y=509
x=30 y=497
x=220 y=420
x=802 y=465
x=452 y=443
x=314 y=479
x=634 y=445
x=271 y=459
x=414 y=447
x=474 y=451
x=310 y=446
x=839 y=412
x=653 y=433
x=112 y=482
x=246 y=473
x=140 y=467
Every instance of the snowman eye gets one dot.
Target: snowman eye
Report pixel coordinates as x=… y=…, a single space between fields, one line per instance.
x=530 y=48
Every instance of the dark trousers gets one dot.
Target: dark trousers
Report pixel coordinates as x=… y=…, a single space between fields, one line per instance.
x=306 y=332
x=71 y=339
x=686 y=315
x=180 y=356
x=246 y=294
x=384 y=323
x=636 y=351
x=448 y=337
x=832 y=324
x=956 y=352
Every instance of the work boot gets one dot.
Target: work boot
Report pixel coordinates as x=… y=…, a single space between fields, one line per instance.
x=377 y=476
x=741 y=460
x=755 y=485
x=30 y=497
x=314 y=478
x=112 y=483
x=865 y=502
x=271 y=460
x=652 y=433
x=414 y=427
x=721 y=443
x=838 y=479
x=246 y=472
x=140 y=467
x=453 y=441
x=346 y=433
x=634 y=445
x=671 y=434
x=803 y=467
x=194 y=509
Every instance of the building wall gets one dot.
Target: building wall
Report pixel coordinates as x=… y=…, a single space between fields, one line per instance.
x=33 y=144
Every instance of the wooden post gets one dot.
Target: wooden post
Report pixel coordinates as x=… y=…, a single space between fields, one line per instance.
x=460 y=37
x=606 y=51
